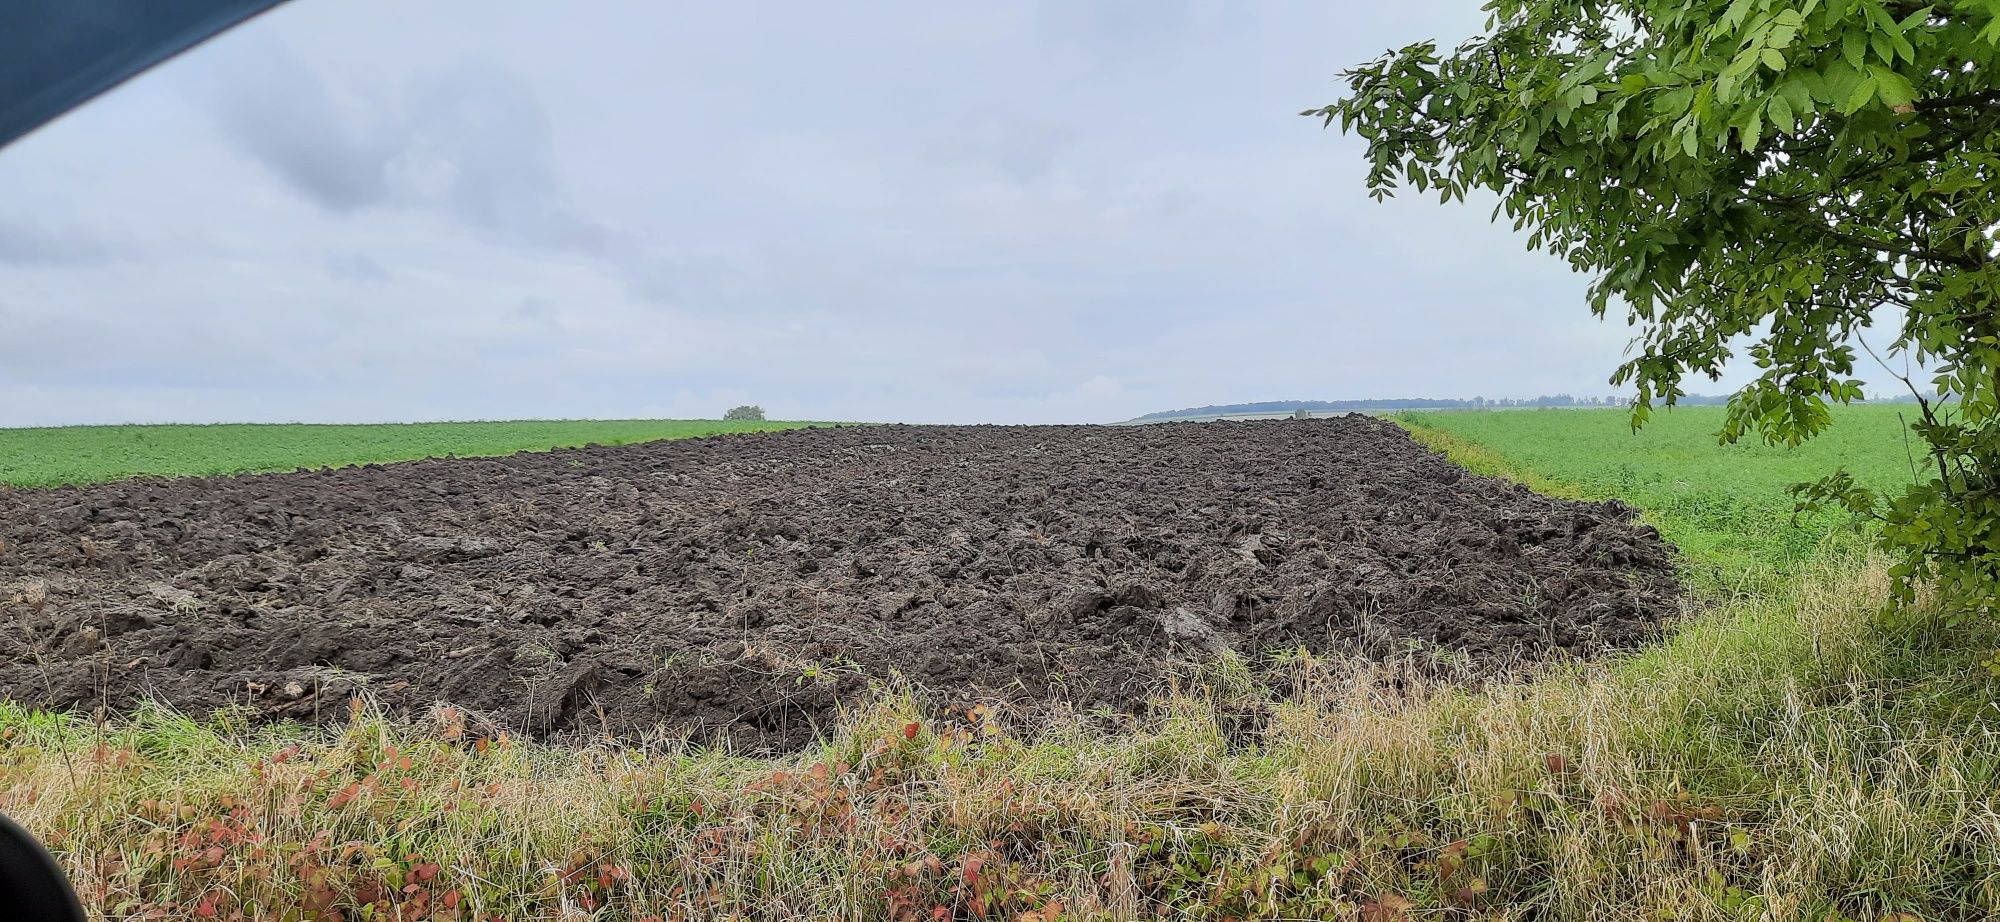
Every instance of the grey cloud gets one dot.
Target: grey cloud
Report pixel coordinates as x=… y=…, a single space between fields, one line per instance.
x=1059 y=212
x=357 y=267
x=336 y=152
x=481 y=134
x=654 y=277
x=473 y=141
x=25 y=243
x=749 y=282
x=1020 y=147
x=1117 y=29
x=537 y=311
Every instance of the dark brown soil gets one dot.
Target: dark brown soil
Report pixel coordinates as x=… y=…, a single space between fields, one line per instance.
x=742 y=587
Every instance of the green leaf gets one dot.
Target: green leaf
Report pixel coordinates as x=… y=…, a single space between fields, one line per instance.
x=1889 y=33
x=1782 y=117
x=1892 y=87
x=1863 y=92
x=1884 y=49
x=1878 y=16
x=1784 y=27
x=1854 y=47
x=1773 y=60
x=1799 y=95
x=1903 y=47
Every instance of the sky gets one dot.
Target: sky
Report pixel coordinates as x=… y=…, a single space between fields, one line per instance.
x=367 y=210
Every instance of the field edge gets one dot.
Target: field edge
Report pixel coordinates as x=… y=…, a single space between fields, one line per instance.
x=40 y=458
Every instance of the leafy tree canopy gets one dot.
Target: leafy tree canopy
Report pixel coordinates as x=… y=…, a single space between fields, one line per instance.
x=1760 y=174
x=747 y=411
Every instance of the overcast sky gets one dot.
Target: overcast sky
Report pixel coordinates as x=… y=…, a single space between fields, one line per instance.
x=927 y=212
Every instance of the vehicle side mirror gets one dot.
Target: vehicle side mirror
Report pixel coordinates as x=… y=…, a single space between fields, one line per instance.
x=32 y=884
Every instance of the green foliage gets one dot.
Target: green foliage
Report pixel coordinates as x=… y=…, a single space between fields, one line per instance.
x=92 y=454
x=1727 y=507
x=744 y=412
x=1770 y=171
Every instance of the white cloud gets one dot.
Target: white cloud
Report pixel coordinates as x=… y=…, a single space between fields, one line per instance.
x=921 y=212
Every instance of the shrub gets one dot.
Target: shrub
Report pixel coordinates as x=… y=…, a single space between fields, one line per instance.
x=1751 y=173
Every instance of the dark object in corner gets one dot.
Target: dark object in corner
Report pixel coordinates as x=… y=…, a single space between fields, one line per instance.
x=32 y=885
x=57 y=54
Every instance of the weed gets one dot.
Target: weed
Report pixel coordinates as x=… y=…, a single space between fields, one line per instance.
x=1782 y=758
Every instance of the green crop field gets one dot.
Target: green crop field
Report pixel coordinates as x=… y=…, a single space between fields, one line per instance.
x=91 y=454
x=1725 y=505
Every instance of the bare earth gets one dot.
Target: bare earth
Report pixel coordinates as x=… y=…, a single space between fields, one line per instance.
x=740 y=588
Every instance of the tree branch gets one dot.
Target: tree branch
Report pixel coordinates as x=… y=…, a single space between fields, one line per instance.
x=1985 y=98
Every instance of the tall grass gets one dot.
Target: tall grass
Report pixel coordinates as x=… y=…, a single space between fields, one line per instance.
x=1784 y=758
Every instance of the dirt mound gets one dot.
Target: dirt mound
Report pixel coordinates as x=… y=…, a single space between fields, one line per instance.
x=743 y=586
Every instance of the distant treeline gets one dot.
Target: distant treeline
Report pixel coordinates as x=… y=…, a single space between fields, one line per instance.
x=1421 y=403
x=1434 y=403
x=1409 y=403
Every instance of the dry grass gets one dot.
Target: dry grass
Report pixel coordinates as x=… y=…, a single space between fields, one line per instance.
x=1781 y=758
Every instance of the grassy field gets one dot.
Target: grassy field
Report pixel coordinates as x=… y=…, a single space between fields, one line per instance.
x=90 y=454
x=1783 y=756
x=1726 y=506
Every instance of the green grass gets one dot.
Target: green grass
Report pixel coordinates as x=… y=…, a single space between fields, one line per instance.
x=1783 y=755
x=1726 y=506
x=92 y=454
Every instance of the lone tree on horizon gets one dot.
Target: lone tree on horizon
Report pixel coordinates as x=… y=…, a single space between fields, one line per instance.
x=748 y=411
x=1770 y=171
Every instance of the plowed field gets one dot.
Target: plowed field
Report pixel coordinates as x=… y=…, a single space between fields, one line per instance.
x=740 y=588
